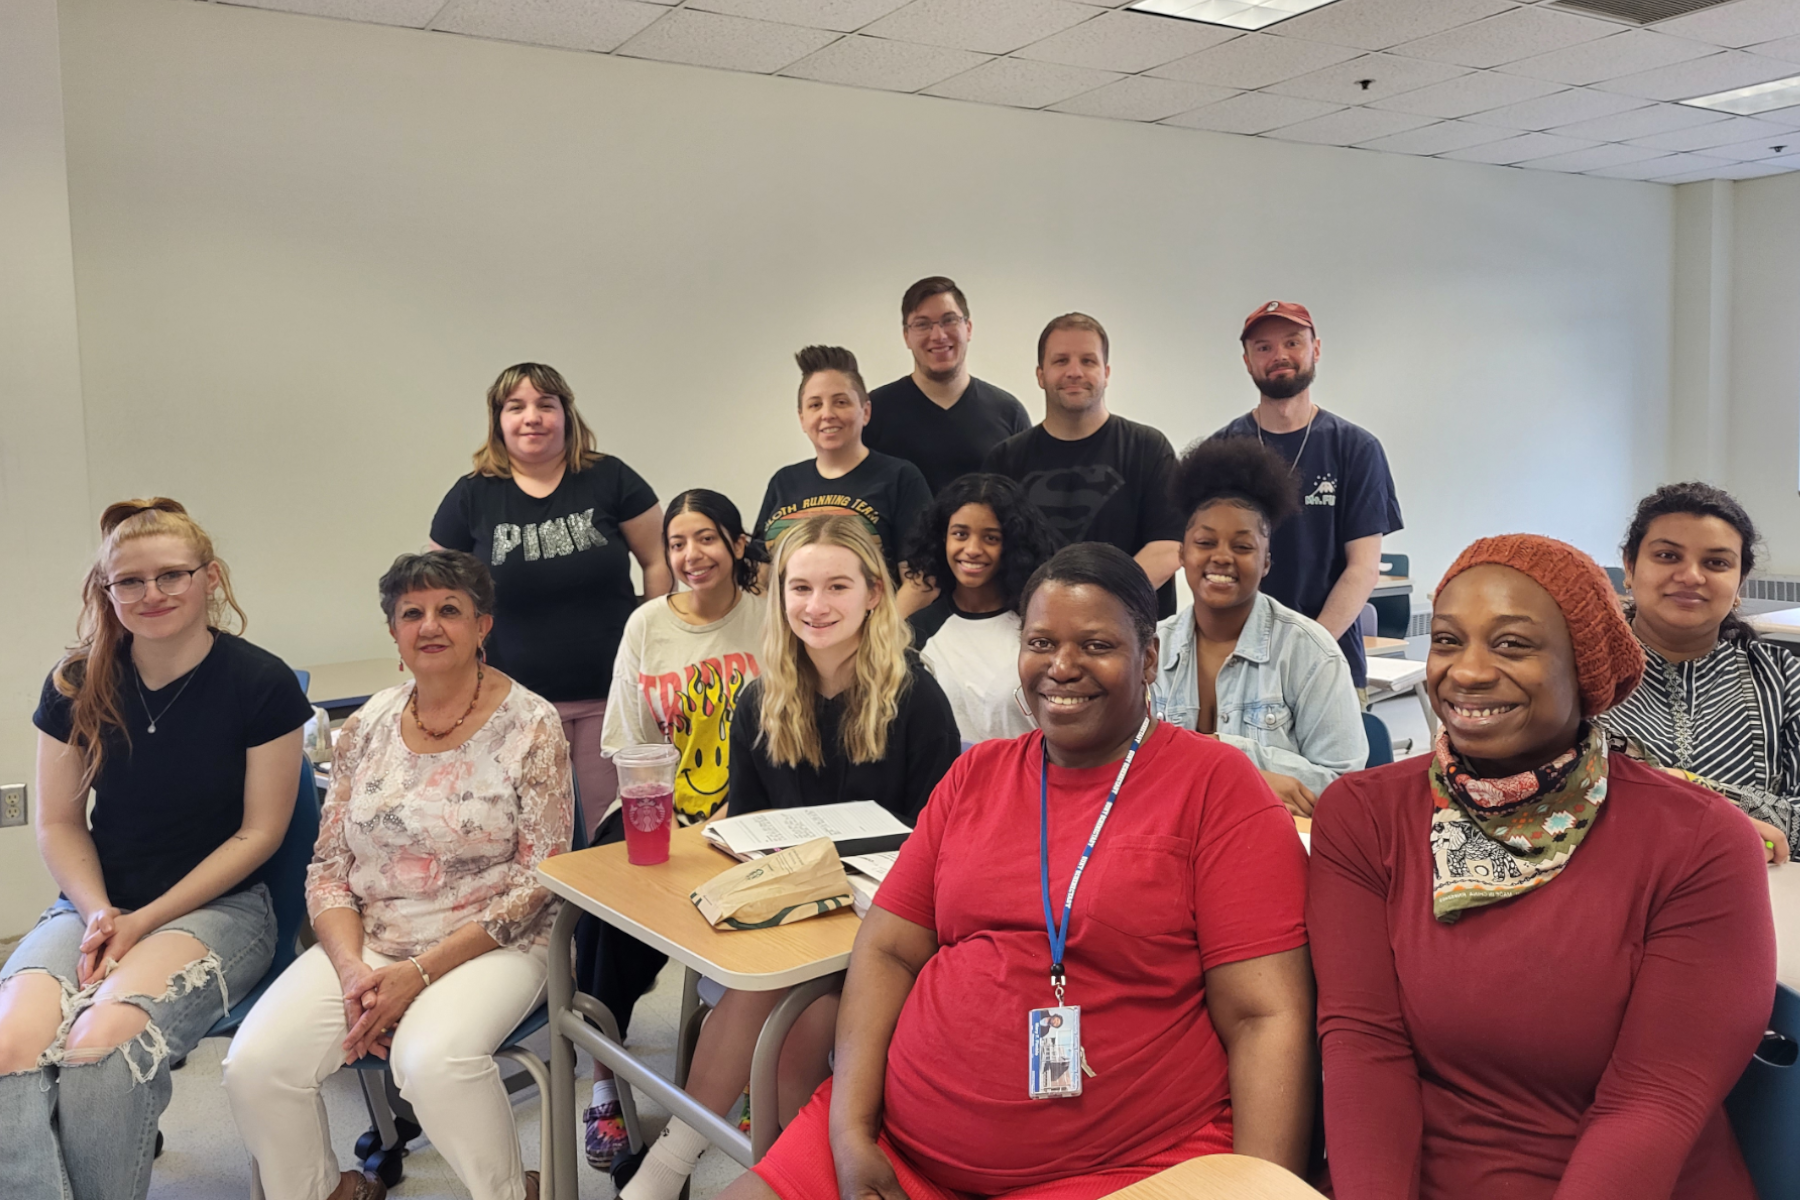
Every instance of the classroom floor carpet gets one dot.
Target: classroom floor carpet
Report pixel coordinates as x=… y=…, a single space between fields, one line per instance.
x=203 y=1159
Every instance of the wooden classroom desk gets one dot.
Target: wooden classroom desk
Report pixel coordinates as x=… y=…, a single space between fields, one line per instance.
x=1782 y=625
x=807 y=959
x=1392 y=585
x=1380 y=647
x=1220 y=1177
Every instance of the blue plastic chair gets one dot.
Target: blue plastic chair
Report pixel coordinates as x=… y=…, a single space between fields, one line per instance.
x=382 y=1148
x=1393 y=613
x=1381 y=742
x=1764 y=1107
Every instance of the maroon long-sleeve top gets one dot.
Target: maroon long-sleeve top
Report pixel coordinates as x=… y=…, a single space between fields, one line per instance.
x=1575 y=1042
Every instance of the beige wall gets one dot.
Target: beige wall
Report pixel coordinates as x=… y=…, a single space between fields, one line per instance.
x=304 y=247
x=44 y=518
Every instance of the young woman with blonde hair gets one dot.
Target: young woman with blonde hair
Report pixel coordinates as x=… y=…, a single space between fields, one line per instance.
x=189 y=738
x=557 y=522
x=843 y=710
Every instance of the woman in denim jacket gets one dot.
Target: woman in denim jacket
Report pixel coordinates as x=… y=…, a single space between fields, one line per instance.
x=1240 y=665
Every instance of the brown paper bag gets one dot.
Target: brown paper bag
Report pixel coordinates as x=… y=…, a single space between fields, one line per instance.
x=791 y=885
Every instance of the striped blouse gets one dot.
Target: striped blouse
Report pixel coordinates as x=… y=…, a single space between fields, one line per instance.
x=1731 y=717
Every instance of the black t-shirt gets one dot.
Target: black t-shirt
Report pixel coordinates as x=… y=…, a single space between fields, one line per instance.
x=888 y=493
x=562 y=571
x=164 y=801
x=944 y=443
x=1347 y=493
x=922 y=743
x=1111 y=486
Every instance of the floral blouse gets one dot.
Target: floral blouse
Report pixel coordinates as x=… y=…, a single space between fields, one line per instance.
x=422 y=844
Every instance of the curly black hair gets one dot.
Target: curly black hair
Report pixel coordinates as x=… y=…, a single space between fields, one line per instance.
x=1240 y=470
x=1698 y=500
x=1026 y=538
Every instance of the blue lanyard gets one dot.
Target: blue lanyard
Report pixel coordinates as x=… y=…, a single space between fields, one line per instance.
x=1059 y=934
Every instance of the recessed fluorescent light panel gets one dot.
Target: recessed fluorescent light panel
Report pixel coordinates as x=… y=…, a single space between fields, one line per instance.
x=1757 y=98
x=1234 y=14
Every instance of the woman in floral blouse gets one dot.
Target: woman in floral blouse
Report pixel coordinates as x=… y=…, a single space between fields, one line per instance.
x=446 y=794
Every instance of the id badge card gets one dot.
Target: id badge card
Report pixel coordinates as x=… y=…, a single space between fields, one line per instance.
x=1055 y=1052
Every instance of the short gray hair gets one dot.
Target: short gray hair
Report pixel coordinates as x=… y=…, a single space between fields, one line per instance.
x=450 y=570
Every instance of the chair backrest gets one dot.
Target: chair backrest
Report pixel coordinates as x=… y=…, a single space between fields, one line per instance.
x=1764 y=1107
x=285 y=872
x=1396 y=564
x=1617 y=575
x=1381 y=742
x=578 y=839
x=1365 y=620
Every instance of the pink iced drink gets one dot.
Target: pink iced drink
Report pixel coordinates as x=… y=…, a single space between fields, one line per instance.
x=649 y=811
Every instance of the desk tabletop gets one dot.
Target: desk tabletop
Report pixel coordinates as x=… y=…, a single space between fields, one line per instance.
x=1392 y=585
x=1380 y=647
x=1784 y=898
x=1220 y=1177
x=1397 y=674
x=348 y=684
x=1782 y=624
x=651 y=904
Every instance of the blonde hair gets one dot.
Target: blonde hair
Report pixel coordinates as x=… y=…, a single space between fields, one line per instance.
x=580 y=450
x=790 y=684
x=89 y=672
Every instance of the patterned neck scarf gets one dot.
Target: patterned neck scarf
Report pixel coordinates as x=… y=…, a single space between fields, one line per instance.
x=1493 y=839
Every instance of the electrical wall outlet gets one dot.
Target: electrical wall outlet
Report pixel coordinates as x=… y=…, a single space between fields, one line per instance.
x=12 y=805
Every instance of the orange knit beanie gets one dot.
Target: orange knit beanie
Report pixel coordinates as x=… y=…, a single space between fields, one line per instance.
x=1608 y=660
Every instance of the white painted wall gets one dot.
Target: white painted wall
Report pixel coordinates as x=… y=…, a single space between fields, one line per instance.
x=305 y=247
x=1765 y=368
x=44 y=520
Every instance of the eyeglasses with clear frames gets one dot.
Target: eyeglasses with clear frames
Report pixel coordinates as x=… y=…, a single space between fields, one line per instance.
x=949 y=323
x=170 y=583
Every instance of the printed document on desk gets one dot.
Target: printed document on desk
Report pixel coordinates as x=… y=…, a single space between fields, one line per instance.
x=859 y=827
x=865 y=873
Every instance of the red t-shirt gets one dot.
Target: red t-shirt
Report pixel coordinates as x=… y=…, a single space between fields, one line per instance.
x=1574 y=1042
x=1199 y=866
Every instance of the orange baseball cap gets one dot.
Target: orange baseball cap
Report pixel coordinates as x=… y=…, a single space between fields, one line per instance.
x=1278 y=308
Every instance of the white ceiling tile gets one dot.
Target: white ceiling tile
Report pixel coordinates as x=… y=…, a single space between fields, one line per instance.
x=1700 y=76
x=990 y=26
x=1378 y=24
x=1719 y=133
x=1131 y=42
x=1657 y=168
x=1691 y=164
x=1021 y=83
x=1438 y=139
x=1508 y=37
x=1252 y=112
x=879 y=63
x=1787 y=49
x=1640 y=122
x=1760 y=149
x=1519 y=149
x=1743 y=23
x=1143 y=98
x=1349 y=126
x=1472 y=93
x=732 y=43
x=598 y=25
x=414 y=13
x=1558 y=108
x=1734 y=171
x=1253 y=61
x=841 y=15
x=1622 y=53
x=1390 y=75
x=1607 y=154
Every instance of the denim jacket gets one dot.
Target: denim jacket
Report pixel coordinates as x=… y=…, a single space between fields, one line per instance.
x=1285 y=696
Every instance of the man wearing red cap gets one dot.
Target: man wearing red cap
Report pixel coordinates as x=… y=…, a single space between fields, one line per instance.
x=1327 y=560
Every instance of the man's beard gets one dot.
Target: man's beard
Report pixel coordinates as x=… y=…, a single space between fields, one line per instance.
x=1287 y=389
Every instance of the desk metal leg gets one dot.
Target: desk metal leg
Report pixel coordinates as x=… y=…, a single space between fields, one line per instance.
x=765 y=1063
x=687 y=1025
x=560 y=1111
x=1431 y=721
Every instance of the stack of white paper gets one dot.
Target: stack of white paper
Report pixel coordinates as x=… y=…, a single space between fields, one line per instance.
x=857 y=828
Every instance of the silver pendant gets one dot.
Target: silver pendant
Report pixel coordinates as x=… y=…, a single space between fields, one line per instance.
x=153 y=727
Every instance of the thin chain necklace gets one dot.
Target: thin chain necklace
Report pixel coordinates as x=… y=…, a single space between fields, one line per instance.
x=1293 y=467
x=433 y=734
x=138 y=678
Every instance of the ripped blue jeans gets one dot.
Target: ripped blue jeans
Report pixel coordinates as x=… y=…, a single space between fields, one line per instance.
x=84 y=1128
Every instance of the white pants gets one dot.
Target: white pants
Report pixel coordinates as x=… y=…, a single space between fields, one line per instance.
x=442 y=1061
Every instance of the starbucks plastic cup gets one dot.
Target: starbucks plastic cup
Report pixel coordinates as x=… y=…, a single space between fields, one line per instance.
x=647 y=795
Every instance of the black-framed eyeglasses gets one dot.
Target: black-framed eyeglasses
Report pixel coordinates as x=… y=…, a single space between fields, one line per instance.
x=131 y=589
x=949 y=323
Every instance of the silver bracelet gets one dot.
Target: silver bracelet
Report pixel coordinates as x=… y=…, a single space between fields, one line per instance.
x=421 y=970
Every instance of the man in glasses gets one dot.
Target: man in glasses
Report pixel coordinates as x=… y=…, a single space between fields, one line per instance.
x=940 y=418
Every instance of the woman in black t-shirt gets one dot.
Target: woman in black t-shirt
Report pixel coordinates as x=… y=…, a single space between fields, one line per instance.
x=190 y=740
x=558 y=523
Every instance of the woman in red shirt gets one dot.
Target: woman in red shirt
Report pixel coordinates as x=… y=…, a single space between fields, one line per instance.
x=1541 y=964
x=1185 y=952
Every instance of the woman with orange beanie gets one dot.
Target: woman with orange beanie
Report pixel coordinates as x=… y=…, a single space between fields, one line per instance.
x=1541 y=964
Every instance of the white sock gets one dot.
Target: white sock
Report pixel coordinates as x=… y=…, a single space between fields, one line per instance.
x=605 y=1092
x=670 y=1161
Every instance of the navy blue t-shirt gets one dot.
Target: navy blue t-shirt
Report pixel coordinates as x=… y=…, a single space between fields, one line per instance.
x=1347 y=492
